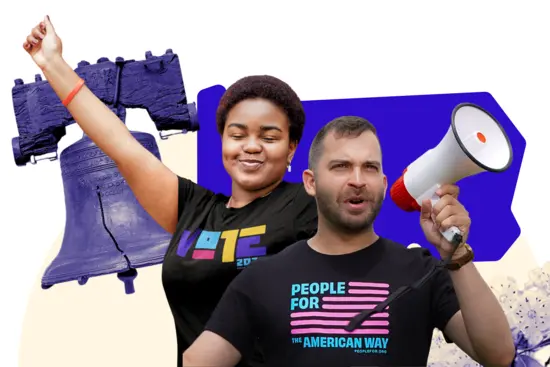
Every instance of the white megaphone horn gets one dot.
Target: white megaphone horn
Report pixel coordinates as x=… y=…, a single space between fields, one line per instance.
x=475 y=142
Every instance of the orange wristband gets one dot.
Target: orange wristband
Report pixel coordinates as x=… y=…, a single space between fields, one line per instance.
x=73 y=93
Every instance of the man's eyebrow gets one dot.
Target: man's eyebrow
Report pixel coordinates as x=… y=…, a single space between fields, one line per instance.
x=369 y=162
x=374 y=163
x=337 y=161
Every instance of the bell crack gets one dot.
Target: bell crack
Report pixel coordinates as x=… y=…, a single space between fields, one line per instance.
x=128 y=276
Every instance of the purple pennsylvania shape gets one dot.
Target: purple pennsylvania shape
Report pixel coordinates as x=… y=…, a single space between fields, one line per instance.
x=408 y=126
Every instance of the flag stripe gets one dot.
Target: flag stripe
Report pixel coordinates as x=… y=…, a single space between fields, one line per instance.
x=333 y=314
x=336 y=322
x=369 y=291
x=354 y=299
x=348 y=307
x=366 y=284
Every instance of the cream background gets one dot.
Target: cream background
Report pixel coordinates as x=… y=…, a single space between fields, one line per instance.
x=99 y=321
x=340 y=50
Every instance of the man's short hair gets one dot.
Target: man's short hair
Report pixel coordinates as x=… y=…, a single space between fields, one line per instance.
x=269 y=88
x=344 y=126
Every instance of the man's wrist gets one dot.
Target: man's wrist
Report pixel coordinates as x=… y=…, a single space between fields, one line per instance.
x=462 y=256
x=460 y=252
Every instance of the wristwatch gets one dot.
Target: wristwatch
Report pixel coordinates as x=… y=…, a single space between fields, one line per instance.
x=465 y=258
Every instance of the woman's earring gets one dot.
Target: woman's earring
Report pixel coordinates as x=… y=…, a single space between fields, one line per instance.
x=288 y=167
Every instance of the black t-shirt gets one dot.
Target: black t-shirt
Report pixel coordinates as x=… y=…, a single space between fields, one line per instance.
x=212 y=244
x=298 y=302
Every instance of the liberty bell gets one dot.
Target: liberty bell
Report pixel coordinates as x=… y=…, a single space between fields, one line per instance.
x=107 y=231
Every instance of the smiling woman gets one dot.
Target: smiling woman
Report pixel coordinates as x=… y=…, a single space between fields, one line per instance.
x=260 y=120
x=256 y=148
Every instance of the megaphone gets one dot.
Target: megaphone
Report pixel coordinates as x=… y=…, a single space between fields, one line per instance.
x=474 y=143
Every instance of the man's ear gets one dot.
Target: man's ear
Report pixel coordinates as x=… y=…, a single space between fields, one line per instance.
x=385 y=185
x=308 y=178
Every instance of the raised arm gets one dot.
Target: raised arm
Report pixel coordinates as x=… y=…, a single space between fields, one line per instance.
x=154 y=185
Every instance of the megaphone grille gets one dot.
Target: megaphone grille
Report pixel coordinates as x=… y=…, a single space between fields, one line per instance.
x=401 y=197
x=481 y=137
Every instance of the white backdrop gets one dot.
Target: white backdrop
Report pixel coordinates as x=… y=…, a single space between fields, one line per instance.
x=324 y=50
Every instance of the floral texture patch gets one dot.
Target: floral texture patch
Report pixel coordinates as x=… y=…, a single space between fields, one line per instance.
x=527 y=308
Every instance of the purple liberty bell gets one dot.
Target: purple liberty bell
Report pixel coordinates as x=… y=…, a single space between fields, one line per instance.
x=107 y=231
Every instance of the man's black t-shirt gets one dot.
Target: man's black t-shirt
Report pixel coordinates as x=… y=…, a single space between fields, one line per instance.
x=212 y=244
x=298 y=302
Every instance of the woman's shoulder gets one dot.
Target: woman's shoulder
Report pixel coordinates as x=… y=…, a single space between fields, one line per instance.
x=294 y=191
x=301 y=207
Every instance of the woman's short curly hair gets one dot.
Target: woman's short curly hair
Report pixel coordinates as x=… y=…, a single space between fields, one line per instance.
x=268 y=88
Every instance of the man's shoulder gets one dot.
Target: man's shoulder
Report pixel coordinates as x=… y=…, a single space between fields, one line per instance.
x=414 y=254
x=285 y=258
x=265 y=271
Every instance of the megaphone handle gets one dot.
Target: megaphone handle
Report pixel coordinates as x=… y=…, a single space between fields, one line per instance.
x=453 y=235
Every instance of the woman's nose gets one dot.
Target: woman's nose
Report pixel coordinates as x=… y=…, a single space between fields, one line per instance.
x=252 y=145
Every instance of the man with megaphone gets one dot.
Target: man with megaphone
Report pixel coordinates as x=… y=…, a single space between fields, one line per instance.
x=342 y=297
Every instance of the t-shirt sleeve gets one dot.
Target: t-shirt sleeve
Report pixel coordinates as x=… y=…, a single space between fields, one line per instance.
x=191 y=195
x=444 y=302
x=233 y=318
x=305 y=223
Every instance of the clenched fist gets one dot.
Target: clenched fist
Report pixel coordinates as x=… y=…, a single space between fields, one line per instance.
x=43 y=44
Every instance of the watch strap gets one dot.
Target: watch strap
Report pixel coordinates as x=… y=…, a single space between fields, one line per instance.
x=464 y=259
